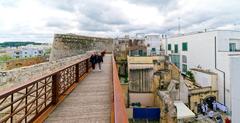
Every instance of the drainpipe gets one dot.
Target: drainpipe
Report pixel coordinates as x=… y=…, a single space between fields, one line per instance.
x=166 y=47
x=224 y=79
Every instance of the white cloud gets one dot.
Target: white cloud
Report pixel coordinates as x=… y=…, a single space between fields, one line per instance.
x=40 y=19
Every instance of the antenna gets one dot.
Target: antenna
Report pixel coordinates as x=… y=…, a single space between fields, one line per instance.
x=179 y=26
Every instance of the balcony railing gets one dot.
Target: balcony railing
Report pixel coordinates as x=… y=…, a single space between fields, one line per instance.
x=119 y=113
x=29 y=101
x=34 y=100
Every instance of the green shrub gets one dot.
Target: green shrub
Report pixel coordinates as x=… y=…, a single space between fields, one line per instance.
x=5 y=58
x=190 y=76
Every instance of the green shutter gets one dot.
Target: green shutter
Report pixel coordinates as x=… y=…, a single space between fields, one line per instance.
x=184 y=68
x=175 y=48
x=169 y=47
x=232 y=47
x=184 y=46
x=153 y=49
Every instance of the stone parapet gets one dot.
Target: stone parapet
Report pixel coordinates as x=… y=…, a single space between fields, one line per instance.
x=66 y=45
x=18 y=76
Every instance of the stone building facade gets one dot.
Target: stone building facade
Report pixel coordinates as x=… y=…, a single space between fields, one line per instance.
x=166 y=89
x=166 y=78
x=140 y=73
x=66 y=45
x=193 y=94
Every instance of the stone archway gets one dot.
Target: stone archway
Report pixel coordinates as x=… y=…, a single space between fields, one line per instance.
x=209 y=100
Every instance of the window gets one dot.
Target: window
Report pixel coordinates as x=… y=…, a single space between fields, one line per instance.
x=134 y=53
x=175 y=48
x=169 y=47
x=184 y=68
x=153 y=49
x=184 y=46
x=175 y=59
x=184 y=58
x=140 y=52
x=232 y=47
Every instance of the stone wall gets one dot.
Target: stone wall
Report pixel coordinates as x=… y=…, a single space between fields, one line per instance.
x=18 y=76
x=66 y=45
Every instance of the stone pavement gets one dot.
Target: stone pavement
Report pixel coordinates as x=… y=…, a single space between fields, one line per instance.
x=90 y=101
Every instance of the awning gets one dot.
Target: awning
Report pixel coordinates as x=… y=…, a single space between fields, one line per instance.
x=140 y=66
x=183 y=111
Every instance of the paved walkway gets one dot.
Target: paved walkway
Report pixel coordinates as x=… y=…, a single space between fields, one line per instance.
x=90 y=101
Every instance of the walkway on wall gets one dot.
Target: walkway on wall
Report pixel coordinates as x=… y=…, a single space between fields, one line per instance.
x=90 y=101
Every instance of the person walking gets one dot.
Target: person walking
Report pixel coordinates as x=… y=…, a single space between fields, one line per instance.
x=93 y=59
x=210 y=114
x=214 y=103
x=203 y=109
x=206 y=108
x=99 y=60
x=103 y=53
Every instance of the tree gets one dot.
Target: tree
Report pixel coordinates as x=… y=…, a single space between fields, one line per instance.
x=190 y=76
x=47 y=52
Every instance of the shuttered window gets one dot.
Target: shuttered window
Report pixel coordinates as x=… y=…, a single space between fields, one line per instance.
x=184 y=46
x=169 y=47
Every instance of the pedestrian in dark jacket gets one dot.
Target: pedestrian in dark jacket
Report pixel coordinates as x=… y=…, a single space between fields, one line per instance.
x=99 y=60
x=93 y=60
x=103 y=53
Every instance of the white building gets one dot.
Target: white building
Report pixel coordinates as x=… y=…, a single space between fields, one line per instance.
x=211 y=51
x=27 y=51
x=235 y=84
x=152 y=41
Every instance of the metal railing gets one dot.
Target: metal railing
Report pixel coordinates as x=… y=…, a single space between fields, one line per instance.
x=202 y=90
x=27 y=102
x=119 y=113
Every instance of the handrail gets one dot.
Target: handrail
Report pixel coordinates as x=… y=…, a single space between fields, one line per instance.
x=119 y=110
x=29 y=82
x=27 y=102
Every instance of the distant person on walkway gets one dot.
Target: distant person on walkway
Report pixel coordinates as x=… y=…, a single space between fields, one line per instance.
x=99 y=60
x=103 y=53
x=93 y=60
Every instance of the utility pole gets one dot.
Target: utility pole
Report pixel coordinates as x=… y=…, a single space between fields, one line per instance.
x=179 y=26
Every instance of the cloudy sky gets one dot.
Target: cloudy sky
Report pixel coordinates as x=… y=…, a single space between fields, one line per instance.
x=38 y=20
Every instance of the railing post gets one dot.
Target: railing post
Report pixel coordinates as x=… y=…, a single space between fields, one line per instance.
x=55 y=87
x=87 y=65
x=77 y=73
x=11 y=108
